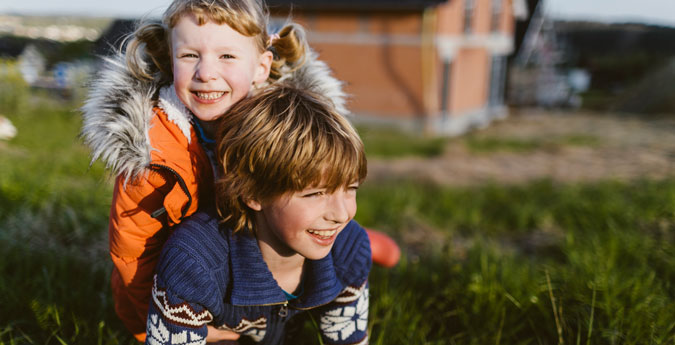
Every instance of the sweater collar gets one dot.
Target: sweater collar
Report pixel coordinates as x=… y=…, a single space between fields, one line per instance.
x=253 y=283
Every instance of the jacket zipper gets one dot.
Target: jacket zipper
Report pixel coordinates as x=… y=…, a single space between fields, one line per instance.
x=283 y=311
x=284 y=307
x=182 y=185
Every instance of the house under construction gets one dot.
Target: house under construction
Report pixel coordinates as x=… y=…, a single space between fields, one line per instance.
x=437 y=65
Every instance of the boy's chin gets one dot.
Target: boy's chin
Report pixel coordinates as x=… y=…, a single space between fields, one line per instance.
x=316 y=255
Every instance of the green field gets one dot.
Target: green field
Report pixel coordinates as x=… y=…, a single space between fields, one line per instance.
x=537 y=263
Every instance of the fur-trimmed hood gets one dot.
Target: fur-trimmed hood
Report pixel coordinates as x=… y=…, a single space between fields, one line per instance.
x=118 y=110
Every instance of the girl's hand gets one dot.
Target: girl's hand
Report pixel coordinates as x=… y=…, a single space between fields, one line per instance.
x=218 y=336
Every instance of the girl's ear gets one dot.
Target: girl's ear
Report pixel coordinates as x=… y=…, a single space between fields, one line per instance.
x=262 y=71
x=253 y=204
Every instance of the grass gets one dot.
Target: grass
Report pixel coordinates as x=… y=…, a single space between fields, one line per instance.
x=503 y=255
x=392 y=143
x=481 y=144
x=540 y=263
x=53 y=225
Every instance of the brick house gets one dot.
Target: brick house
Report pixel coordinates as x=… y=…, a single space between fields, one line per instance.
x=437 y=65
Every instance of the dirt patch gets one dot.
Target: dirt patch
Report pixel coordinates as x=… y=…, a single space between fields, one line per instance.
x=614 y=147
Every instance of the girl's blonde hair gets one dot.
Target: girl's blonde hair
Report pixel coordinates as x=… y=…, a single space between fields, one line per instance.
x=148 y=51
x=280 y=140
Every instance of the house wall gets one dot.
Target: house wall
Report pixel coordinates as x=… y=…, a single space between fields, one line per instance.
x=382 y=80
x=482 y=17
x=378 y=56
x=507 y=23
x=450 y=18
x=469 y=86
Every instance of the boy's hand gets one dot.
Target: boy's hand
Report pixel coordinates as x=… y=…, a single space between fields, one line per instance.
x=216 y=336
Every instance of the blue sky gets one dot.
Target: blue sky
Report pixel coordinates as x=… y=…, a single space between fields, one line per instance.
x=646 y=11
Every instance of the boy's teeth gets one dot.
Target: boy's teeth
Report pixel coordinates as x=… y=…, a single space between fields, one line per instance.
x=210 y=95
x=323 y=233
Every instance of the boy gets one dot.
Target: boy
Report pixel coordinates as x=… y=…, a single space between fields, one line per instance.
x=285 y=242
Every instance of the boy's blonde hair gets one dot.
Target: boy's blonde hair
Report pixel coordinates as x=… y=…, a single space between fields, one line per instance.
x=148 y=51
x=282 y=140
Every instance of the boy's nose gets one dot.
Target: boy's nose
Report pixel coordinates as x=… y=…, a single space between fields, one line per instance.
x=339 y=208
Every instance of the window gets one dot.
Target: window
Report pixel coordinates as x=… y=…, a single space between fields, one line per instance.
x=497 y=81
x=445 y=89
x=469 y=6
x=496 y=14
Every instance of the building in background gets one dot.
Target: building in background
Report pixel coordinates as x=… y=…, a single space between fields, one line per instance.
x=32 y=64
x=538 y=76
x=437 y=65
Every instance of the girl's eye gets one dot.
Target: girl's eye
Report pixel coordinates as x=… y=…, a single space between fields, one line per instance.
x=188 y=55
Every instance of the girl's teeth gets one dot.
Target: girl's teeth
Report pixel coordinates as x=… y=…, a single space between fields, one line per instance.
x=210 y=95
x=323 y=233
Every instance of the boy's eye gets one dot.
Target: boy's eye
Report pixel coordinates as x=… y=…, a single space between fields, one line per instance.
x=313 y=194
x=227 y=56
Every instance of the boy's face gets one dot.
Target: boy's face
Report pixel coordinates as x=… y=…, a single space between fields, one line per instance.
x=306 y=222
x=214 y=66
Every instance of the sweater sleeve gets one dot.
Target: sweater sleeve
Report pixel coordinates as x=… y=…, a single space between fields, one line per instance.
x=345 y=319
x=173 y=320
x=185 y=294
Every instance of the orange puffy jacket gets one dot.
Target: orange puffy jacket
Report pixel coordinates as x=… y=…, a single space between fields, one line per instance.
x=145 y=136
x=177 y=181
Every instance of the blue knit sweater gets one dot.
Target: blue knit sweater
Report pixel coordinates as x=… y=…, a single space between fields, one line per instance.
x=207 y=275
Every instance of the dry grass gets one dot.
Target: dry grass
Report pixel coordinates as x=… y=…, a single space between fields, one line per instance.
x=534 y=144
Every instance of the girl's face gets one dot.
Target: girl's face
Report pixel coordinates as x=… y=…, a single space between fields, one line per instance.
x=214 y=66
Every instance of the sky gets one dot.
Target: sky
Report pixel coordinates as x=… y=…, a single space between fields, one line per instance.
x=661 y=12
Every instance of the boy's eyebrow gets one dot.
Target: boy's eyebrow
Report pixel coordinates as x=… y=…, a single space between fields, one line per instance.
x=186 y=45
x=313 y=187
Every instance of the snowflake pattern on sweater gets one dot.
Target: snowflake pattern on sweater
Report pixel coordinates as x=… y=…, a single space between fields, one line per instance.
x=158 y=334
x=340 y=323
x=254 y=329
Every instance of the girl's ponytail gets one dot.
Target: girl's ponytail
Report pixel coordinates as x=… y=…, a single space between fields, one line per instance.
x=289 y=47
x=147 y=53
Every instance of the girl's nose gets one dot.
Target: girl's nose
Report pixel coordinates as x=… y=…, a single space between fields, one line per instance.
x=206 y=71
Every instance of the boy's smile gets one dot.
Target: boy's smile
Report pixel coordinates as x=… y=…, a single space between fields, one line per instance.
x=324 y=237
x=214 y=66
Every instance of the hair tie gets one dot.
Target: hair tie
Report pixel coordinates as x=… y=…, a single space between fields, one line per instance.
x=273 y=38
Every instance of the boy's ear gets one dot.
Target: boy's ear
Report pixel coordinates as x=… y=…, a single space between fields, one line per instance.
x=253 y=204
x=263 y=70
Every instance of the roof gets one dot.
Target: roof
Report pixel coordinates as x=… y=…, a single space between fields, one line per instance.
x=113 y=37
x=14 y=46
x=354 y=5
